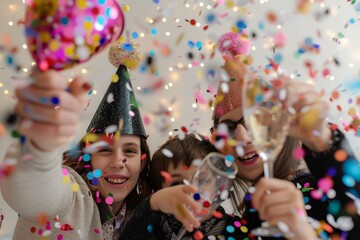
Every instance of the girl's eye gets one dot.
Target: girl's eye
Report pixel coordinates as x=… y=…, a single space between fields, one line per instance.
x=105 y=150
x=132 y=151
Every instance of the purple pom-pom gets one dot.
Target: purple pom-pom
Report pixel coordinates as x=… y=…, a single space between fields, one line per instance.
x=231 y=43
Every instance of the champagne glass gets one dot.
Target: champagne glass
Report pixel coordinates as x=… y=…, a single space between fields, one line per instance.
x=213 y=179
x=267 y=120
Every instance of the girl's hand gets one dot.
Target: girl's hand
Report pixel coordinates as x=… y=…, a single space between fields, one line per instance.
x=177 y=201
x=48 y=112
x=309 y=125
x=279 y=201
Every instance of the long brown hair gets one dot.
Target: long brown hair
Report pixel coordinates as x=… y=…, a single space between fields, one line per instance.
x=183 y=150
x=71 y=159
x=284 y=165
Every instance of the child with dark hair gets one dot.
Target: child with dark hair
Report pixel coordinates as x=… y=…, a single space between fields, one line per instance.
x=171 y=206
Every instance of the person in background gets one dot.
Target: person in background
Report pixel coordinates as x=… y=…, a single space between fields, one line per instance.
x=165 y=212
x=101 y=181
x=314 y=138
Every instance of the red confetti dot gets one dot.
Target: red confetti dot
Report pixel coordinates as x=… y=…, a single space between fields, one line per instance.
x=167 y=177
x=206 y=204
x=198 y=235
x=32 y=229
x=143 y=157
x=335 y=94
x=192 y=22
x=326 y=72
x=184 y=129
x=338 y=107
x=217 y=214
x=206 y=27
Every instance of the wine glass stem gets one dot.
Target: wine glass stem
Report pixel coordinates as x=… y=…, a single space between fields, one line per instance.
x=269 y=169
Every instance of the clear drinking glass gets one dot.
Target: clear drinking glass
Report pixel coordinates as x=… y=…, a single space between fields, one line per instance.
x=213 y=179
x=267 y=119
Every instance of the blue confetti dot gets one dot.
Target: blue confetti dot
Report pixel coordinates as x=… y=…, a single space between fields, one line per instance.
x=9 y=60
x=301 y=50
x=210 y=18
x=101 y=20
x=261 y=25
x=191 y=44
x=308 y=41
x=152 y=53
x=197 y=196
x=259 y=98
x=229 y=158
x=149 y=228
x=230 y=229
x=64 y=21
x=86 y=157
x=331 y=172
x=156 y=1
x=97 y=173
x=22 y=139
x=278 y=58
x=241 y=24
x=95 y=182
x=135 y=35
x=352 y=20
x=199 y=45
x=348 y=181
x=55 y=100
x=90 y=176
x=102 y=2
x=128 y=47
x=352 y=168
x=316 y=46
x=231 y=238
x=306 y=200
x=334 y=207
x=153 y=31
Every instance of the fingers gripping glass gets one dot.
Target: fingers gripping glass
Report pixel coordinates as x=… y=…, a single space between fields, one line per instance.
x=213 y=179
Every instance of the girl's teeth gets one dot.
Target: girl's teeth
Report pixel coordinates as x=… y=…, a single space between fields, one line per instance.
x=116 y=180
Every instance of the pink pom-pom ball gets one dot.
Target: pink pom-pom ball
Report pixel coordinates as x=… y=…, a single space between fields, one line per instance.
x=234 y=44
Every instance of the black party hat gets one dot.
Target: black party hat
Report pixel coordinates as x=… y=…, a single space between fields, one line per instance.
x=118 y=103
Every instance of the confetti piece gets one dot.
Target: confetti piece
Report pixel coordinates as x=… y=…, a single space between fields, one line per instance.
x=167 y=177
x=340 y=155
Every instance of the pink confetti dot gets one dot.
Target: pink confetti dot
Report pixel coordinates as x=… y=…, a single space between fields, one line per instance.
x=59 y=237
x=237 y=224
x=96 y=231
x=298 y=153
x=316 y=194
x=325 y=184
x=109 y=200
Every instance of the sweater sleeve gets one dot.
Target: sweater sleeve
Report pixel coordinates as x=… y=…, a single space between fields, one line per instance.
x=144 y=224
x=36 y=185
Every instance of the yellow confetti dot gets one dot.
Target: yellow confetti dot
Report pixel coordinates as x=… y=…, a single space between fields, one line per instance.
x=88 y=26
x=198 y=74
x=230 y=4
x=219 y=98
x=81 y=3
x=70 y=50
x=66 y=179
x=96 y=39
x=308 y=120
x=244 y=229
x=234 y=29
x=75 y=187
x=54 y=45
x=45 y=37
x=121 y=39
x=126 y=8
x=232 y=142
x=352 y=111
x=90 y=137
x=114 y=78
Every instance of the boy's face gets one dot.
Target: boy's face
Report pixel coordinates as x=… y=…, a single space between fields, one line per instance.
x=179 y=174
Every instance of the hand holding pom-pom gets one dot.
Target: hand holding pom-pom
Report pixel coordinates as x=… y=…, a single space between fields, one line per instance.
x=234 y=48
x=234 y=44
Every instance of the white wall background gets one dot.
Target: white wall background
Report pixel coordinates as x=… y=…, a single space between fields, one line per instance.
x=173 y=104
